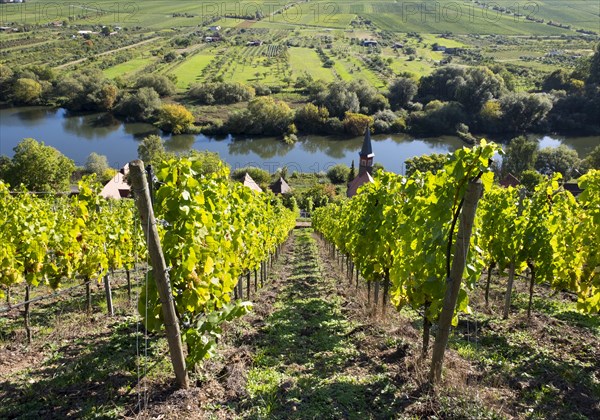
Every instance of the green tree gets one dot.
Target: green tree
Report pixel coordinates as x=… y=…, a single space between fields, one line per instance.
x=369 y=98
x=5 y=163
x=175 y=118
x=96 y=164
x=338 y=98
x=206 y=162
x=220 y=93
x=6 y=79
x=352 y=173
x=87 y=90
x=151 y=150
x=355 y=124
x=521 y=155
x=159 y=82
x=142 y=105
x=531 y=179
x=425 y=163
x=401 y=92
x=27 y=91
x=561 y=159
x=592 y=161
x=310 y=118
x=471 y=86
x=594 y=77
x=522 y=111
x=437 y=118
x=264 y=115
x=557 y=80
x=39 y=167
x=338 y=174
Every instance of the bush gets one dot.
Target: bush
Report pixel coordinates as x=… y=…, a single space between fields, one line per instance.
x=26 y=91
x=88 y=90
x=558 y=159
x=531 y=179
x=311 y=119
x=261 y=90
x=175 y=118
x=142 y=105
x=151 y=150
x=388 y=122
x=338 y=174
x=210 y=162
x=334 y=126
x=39 y=167
x=264 y=115
x=401 y=92
x=437 y=118
x=425 y=163
x=355 y=124
x=220 y=93
x=160 y=83
x=317 y=196
x=96 y=164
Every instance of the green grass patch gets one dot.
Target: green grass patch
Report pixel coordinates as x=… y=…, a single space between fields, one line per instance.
x=190 y=71
x=307 y=60
x=303 y=366
x=128 y=68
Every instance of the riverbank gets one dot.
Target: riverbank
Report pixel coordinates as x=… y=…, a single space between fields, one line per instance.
x=77 y=136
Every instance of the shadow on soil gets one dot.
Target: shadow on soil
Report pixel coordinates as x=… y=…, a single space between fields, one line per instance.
x=305 y=346
x=81 y=379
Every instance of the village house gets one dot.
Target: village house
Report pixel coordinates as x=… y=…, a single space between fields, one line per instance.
x=117 y=187
x=251 y=183
x=280 y=187
x=369 y=43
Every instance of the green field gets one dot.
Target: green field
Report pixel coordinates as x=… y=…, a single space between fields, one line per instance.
x=307 y=60
x=190 y=70
x=419 y=68
x=427 y=16
x=128 y=68
x=292 y=35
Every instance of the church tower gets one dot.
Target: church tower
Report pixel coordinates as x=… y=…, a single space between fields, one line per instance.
x=366 y=154
x=365 y=168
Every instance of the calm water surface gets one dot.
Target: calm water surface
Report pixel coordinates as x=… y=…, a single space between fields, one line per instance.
x=79 y=135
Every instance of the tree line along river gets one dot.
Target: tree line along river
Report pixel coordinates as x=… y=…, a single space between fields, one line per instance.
x=78 y=135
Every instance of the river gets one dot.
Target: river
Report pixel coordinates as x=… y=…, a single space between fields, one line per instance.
x=79 y=135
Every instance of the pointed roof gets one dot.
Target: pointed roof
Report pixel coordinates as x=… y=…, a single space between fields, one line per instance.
x=367 y=149
x=117 y=187
x=251 y=183
x=358 y=182
x=280 y=187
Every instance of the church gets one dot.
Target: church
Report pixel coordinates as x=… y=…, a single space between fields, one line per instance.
x=365 y=169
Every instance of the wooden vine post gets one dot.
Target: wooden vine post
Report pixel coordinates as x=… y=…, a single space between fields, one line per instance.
x=463 y=239
x=108 y=292
x=144 y=204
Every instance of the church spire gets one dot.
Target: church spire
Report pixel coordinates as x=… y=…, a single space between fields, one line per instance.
x=366 y=154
